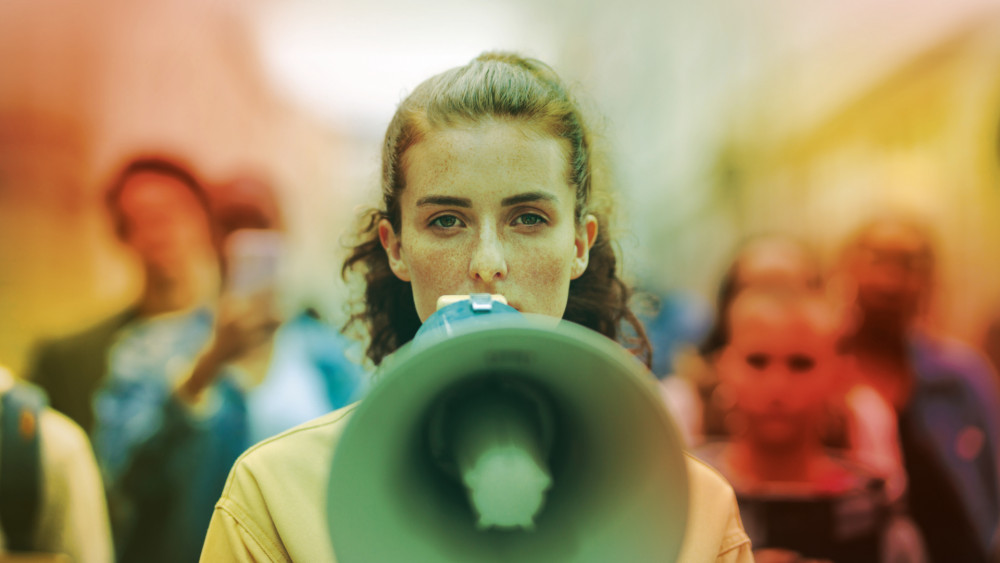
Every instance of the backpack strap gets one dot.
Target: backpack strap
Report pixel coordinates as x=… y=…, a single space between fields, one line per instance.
x=20 y=464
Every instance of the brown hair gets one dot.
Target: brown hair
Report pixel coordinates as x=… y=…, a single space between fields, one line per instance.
x=733 y=282
x=170 y=167
x=502 y=86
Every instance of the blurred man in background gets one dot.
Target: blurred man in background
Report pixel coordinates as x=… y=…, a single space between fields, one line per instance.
x=149 y=382
x=178 y=385
x=944 y=393
x=160 y=212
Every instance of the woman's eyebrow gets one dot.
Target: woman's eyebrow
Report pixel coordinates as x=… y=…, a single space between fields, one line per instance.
x=526 y=197
x=444 y=200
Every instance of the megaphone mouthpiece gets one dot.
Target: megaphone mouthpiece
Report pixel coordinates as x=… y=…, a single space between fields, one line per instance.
x=478 y=301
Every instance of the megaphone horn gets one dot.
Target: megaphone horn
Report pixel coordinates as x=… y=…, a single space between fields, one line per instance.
x=509 y=439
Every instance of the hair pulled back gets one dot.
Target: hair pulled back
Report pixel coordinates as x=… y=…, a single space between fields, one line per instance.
x=501 y=87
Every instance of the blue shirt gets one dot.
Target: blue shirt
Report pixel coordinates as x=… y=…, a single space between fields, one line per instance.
x=164 y=462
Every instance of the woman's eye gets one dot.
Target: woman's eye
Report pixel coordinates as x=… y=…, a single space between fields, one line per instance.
x=800 y=363
x=530 y=219
x=758 y=361
x=445 y=221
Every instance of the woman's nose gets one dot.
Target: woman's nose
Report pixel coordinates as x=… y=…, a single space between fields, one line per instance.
x=487 y=263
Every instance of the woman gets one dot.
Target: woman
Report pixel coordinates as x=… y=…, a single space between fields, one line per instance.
x=488 y=187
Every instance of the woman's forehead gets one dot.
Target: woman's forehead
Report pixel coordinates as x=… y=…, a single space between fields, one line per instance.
x=510 y=138
x=762 y=318
x=496 y=154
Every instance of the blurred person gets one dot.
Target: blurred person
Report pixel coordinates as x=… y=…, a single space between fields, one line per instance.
x=943 y=392
x=186 y=392
x=170 y=417
x=166 y=421
x=780 y=364
x=773 y=261
x=166 y=226
x=52 y=503
x=488 y=187
x=858 y=421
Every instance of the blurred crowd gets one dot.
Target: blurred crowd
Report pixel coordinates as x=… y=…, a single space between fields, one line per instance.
x=850 y=430
x=852 y=427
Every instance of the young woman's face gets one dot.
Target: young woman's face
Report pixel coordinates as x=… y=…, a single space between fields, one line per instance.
x=488 y=209
x=781 y=368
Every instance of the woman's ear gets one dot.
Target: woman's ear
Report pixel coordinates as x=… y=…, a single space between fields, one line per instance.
x=586 y=234
x=393 y=249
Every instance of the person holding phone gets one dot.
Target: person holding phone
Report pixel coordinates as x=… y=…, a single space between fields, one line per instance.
x=490 y=185
x=168 y=415
x=160 y=386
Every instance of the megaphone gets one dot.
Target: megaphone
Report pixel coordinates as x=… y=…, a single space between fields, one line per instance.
x=508 y=437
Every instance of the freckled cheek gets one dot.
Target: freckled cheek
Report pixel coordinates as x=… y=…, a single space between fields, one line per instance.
x=541 y=279
x=549 y=258
x=544 y=270
x=434 y=272
x=434 y=267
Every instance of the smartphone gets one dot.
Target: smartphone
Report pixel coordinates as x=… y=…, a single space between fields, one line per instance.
x=253 y=260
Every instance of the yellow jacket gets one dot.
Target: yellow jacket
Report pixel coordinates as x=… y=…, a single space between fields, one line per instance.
x=274 y=505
